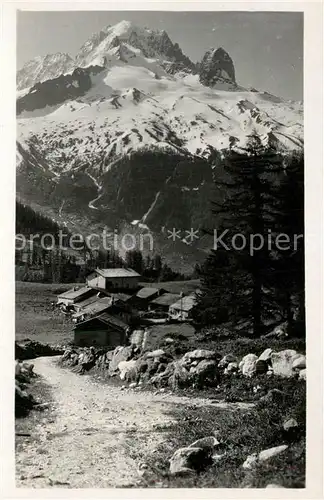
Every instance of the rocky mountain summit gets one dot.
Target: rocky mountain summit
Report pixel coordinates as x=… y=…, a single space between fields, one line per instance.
x=216 y=66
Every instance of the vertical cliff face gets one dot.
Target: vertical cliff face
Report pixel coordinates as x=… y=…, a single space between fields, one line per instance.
x=216 y=66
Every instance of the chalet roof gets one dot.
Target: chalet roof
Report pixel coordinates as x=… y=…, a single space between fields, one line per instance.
x=74 y=293
x=124 y=297
x=86 y=302
x=106 y=319
x=117 y=273
x=146 y=292
x=167 y=299
x=185 y=303
x=95 y=308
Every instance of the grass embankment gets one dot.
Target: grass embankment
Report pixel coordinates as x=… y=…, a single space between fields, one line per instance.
x=241 y=433
x=36 y=318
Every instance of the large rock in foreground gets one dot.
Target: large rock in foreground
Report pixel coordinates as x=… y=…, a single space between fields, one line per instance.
x=193 y=458
x=119 y=354
x=282 y=363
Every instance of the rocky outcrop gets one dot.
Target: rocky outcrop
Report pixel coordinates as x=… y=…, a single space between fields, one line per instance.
x=216 y=67
x=58 y=90
x=162 y=44
x=44 y=68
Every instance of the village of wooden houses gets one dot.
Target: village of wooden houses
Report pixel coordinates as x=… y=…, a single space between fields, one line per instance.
x=112 y=307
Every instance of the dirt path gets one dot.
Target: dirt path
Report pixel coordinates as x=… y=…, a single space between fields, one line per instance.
x=99 y=435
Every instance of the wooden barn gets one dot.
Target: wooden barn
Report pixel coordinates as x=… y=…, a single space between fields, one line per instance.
x=163 y=302
x=74 y=295
x=114 y=279
x=141 y=300
x=83 y=304
x=102 y=330
x=182 y=309
x=92 y=309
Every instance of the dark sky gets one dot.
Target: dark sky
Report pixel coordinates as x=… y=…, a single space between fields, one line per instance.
x=266 y=47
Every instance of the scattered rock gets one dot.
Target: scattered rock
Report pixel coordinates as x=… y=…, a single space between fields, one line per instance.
x=282 y=363
x=274 y=485
x=216 y=458
x=119 y=354
x=205 y=367
x=250 y=461
x=302 y=374
x=207 y=443
x=124 y=367
x=266 y=355
x=200 y=354
x=263 y=456
x=189 y=460
x=271 y=452
x=226 y=360
x=180 y=376
x=248 y=367
x=290 y=424
x=249 y=357
x=87 y=359
x=155 y=354
x=231 y=368
x=299 y=363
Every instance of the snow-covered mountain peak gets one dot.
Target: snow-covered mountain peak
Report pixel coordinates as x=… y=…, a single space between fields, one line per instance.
x=122 y=28
x=42 y=68
x=152 y=44
x=132 y=114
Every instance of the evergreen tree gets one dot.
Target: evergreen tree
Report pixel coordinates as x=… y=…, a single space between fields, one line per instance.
x=288 y=265
x=246 y=211
x=134 y=260
x=157 y=265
